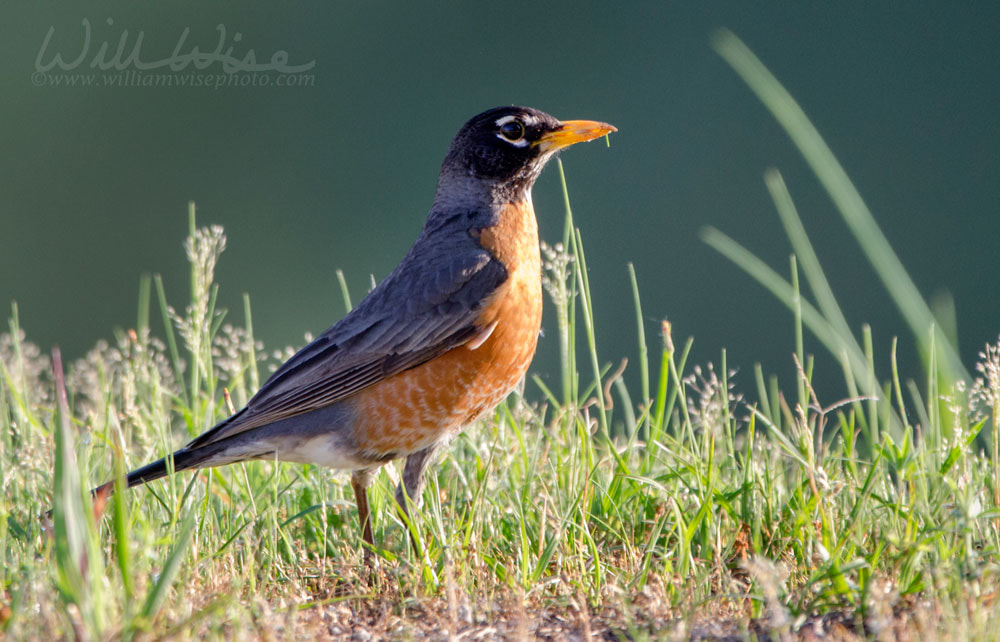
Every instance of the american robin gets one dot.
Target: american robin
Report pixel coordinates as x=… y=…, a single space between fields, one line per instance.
x=439 y=343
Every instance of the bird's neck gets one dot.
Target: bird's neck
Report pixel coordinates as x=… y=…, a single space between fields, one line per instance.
x=460 y=189
x=472 y=203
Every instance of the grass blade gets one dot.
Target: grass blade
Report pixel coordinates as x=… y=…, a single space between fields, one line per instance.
x=845 y=195
x=158 y=592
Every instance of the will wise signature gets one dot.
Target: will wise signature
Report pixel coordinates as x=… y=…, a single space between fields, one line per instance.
x=127 y=54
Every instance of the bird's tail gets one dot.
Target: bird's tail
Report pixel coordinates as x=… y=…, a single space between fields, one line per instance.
x=190 y=456
x=181 y=460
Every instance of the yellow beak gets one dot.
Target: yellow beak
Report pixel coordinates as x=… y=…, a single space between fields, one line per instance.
x=572 y=132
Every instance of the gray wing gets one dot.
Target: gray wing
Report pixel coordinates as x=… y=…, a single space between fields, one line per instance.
x=428 y=305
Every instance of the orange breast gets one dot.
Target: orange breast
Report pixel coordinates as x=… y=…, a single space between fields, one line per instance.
x=420 y=406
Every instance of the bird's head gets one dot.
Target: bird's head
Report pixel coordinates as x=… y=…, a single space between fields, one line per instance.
x=503 y=150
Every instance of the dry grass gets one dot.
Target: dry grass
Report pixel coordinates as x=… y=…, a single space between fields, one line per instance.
x=690 y=522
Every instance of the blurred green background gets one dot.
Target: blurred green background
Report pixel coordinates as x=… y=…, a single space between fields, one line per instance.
x=339 y=174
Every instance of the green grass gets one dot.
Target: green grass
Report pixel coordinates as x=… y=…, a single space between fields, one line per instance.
x=700 y=502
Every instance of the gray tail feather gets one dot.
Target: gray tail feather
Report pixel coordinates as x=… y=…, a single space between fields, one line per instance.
x=190 y=456
x=183 y=459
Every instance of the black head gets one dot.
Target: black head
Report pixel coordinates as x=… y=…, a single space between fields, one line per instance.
x=505 y=148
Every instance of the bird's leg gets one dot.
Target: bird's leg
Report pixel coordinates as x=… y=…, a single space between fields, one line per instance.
x=360 y=481
x=411 y=486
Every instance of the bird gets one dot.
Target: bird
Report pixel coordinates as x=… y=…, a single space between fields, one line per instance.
x=439 y=343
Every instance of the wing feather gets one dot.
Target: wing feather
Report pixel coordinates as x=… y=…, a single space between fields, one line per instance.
x=427 y=306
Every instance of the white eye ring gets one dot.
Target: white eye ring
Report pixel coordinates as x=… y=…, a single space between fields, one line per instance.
x=512 y=131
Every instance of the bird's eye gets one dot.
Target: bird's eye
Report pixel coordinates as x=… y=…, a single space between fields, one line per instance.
x=512 y=130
